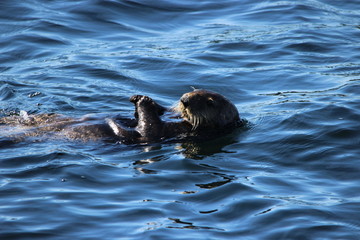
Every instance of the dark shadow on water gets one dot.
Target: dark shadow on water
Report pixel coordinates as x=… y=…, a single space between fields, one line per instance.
x=6 y=143
x=191 y=149
x=202 y=149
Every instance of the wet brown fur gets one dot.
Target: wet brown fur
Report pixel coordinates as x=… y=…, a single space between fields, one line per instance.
x=206 y=109
x=204 y=114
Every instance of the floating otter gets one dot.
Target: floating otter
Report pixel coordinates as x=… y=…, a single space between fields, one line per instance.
x=204 y=114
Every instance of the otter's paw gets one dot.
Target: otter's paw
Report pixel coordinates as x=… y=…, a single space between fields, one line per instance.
x=134 y=99
x=145 y=100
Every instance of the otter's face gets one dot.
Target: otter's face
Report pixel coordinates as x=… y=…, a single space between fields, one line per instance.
x=204 y=108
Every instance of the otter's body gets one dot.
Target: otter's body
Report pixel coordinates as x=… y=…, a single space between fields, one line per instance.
x=203 y=114
x=55 y=126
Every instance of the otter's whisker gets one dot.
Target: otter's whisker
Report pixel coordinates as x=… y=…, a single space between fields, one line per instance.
x=198 y=120
x=195 y=122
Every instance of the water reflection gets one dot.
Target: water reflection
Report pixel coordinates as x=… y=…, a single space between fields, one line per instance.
x=200 y=150
x=189 y=225
x=190 y=150
x=227 y=179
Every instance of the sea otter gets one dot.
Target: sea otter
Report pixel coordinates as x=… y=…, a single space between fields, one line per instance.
x=203 y=115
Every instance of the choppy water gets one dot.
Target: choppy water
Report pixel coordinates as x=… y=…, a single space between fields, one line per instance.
x=291 y=67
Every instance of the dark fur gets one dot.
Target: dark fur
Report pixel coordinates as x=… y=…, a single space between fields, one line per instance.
x=204 y=115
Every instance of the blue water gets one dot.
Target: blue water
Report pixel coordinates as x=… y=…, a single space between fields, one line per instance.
x=291 y=67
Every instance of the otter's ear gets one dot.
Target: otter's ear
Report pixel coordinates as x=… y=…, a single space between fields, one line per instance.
x=210 y=101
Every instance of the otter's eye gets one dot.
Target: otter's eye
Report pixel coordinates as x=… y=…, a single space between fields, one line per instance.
x=210 y=102
x=185 y=102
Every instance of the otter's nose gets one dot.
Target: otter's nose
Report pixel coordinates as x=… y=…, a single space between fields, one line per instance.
x=185 y=101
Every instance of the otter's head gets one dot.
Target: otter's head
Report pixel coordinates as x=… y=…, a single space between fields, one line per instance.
x=206 y=109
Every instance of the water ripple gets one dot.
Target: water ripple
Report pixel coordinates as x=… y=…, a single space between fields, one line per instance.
x=290 y=67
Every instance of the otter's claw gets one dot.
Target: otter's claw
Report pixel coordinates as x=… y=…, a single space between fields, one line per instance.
x=134 y=99
x=137 y=99
x=146 y=99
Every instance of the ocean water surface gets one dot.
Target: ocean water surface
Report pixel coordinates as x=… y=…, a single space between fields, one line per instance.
x=291 y=68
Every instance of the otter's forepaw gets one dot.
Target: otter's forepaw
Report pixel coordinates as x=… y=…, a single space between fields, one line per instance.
x=145 y=101
x=134 y=99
